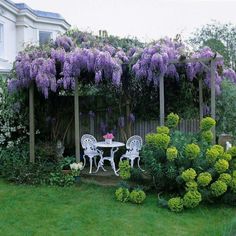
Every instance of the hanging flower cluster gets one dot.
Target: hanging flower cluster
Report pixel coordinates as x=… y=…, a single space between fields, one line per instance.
x=57 y=69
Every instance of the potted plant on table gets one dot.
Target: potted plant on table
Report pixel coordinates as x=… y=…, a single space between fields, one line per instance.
x=75 y=170
x=108 y=138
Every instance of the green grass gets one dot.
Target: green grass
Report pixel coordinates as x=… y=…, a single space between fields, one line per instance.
x=92 y=210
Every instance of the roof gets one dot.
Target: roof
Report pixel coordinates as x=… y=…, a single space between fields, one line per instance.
x=38 y=13
x=53 y=15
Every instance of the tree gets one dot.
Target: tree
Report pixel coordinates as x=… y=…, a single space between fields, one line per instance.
x=220 y=38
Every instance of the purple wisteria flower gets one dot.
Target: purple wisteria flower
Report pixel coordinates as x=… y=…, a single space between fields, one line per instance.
x=121 y=122
x=64 y=42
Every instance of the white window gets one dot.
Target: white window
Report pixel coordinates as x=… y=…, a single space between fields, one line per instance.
x=44 y=37
x=1 y=41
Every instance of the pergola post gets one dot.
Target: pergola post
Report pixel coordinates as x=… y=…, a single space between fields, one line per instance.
x=31 y=123
x=77 y=130
x=200 y=99
x=213 y=97
x=162 y=100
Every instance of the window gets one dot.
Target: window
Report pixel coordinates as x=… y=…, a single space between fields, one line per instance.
x=1 y=41
x=44 y=37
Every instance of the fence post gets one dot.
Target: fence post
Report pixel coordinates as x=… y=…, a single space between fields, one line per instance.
x=213 y=97
x=77 y=123
x=162 y=100
x=31 y=120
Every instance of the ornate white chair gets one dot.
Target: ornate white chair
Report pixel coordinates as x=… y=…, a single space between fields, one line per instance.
x=87 y=142
x=133 y=146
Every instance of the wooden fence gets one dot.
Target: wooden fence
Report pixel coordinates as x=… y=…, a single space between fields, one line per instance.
x=92 y=125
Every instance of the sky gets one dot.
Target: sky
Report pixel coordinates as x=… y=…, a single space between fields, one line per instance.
x=144 y=19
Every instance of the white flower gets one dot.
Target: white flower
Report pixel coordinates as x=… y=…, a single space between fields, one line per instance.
x=76 y=166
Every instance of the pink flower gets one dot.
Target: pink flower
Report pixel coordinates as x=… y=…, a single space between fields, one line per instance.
x=108 y=136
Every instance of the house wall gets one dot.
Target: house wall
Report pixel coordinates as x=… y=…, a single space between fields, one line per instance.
x=22 y=28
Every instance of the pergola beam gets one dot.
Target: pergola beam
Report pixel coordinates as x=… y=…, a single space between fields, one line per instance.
x=77 y=130
x=162 y=100
x=213 y=97
x=31 y=123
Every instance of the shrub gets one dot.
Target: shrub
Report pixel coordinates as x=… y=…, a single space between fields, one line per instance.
x=226 y=178
x=161 y=141
x=192 y=151
x=192 y=199
x=137 y=196
x=172 y=120
x=125 y=170
x=221 y=165
x=122 y=194
x=163 y=130
x=232 y=151
x=171 y=153
x=191 y=185
x=218 y=188
x=212 y=155
x=207 y=136
x=189 y=175
x=226 y=156
x=176 y=204
x=234 y=174
x=207 y=123
x=204 y=179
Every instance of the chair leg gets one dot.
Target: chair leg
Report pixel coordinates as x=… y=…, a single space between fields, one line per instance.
x=84 y=162
x=91 y=165
x=139 y=165
x=132 y=163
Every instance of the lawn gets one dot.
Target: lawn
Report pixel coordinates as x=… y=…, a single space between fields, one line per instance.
x=92 y=210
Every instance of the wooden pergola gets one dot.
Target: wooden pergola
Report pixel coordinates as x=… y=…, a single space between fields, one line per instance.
x=203 y=61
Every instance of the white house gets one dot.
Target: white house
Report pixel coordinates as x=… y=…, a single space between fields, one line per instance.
x=21 y=25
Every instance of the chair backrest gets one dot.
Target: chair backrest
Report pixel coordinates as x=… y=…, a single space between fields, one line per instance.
x=134 y=144
x=87 y=142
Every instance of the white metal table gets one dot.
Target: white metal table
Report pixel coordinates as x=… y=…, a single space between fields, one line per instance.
x=114 y=146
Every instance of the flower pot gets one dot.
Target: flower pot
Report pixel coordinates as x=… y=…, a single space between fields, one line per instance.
x=77 y=179
x=108 y=141
x=66 y=172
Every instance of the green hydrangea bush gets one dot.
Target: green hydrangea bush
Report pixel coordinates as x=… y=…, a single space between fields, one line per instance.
x=137 y=196
x=176 y=204
x=190 y=166
x=122 y=194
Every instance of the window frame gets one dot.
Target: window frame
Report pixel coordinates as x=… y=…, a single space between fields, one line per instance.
x=2 y=53
x=44 y=31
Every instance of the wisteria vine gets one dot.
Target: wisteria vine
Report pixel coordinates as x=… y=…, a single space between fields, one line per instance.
x=56 y=69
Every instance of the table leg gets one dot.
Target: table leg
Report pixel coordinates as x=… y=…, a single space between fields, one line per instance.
x=113 y=166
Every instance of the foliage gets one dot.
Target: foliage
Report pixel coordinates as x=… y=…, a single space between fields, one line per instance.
x=161 y=141
x=221 y=165
x=137 y=196
x=232 y=151
x=171 y=153
x=220 y=38
x=226 y=108
x=204 y=179
x=193 y=178
x=192 y=199
x=207 y=123
x=176 y=204
x=125 y=169
x=218 y=188
x=192 y=151
x=226 y=178
x=172 y=120
x=13 y=130
x=212 y=155
x=122 y=194
x=233 y=184
x=163 y=130
x=58 y=178
x=207 y=136
x=189 y=175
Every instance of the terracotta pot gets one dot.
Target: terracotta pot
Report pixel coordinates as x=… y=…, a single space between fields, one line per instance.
x=223 y=138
